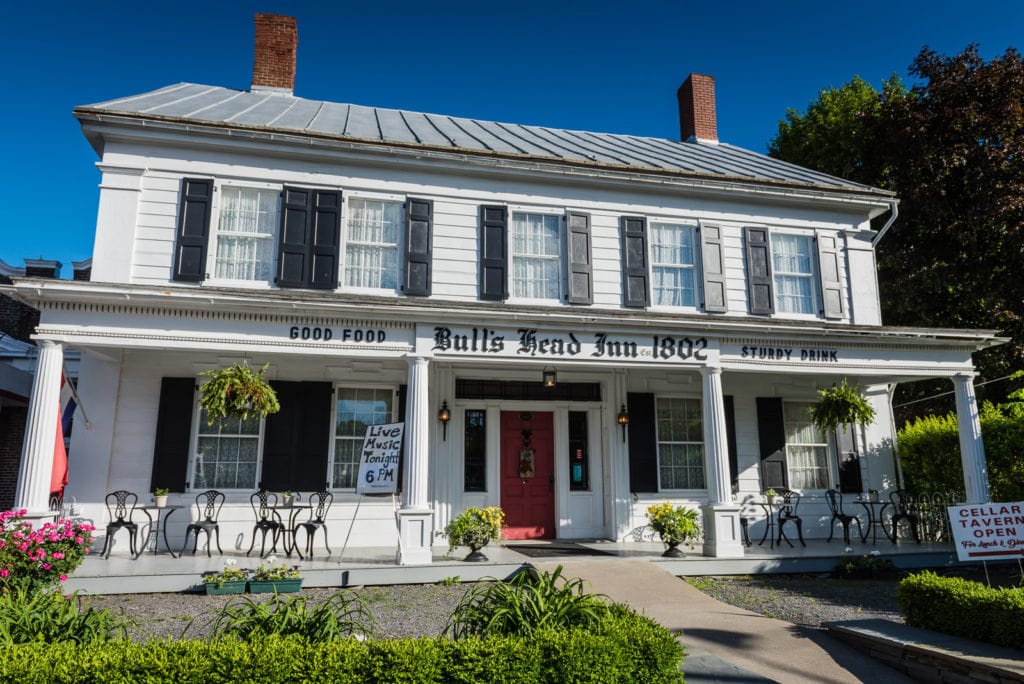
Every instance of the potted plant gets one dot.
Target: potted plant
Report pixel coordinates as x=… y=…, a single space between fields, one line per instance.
x=274 y=578
x=771 y=496
x=230 y=580
x=160 y=496
x=288 y=499
x=873 y=495
x=237 y=391
x=475 y=528
x=675 y=525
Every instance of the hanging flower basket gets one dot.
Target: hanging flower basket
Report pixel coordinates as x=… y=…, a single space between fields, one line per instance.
x=237 y=391
x=841 y=405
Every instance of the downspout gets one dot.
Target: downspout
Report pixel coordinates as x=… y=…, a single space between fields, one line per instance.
x=894 y=206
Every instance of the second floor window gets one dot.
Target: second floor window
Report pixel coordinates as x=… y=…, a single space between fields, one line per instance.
x=536 y=255
x=673 y=265
x=793 y=271
x=372 y=235
x=246 y=233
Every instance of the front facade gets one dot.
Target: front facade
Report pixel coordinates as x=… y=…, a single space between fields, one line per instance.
x=609 y=320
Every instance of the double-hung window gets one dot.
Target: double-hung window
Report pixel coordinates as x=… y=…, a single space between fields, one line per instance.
x=227 y=453
x=673 y=264
x=372 y=235
x=680 y=430
x=354 y=410
x=536 y=256
x=806 y=448
x=246 y=232
x=793 y=272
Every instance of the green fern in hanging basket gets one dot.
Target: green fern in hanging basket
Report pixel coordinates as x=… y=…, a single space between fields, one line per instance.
x=841 y=405
x=237 y=391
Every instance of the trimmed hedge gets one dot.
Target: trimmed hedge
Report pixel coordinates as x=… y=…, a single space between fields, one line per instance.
x=953 y=605
x=620 y=649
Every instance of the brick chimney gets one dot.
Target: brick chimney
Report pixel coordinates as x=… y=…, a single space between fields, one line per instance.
x=697 y=120
x=277 y=40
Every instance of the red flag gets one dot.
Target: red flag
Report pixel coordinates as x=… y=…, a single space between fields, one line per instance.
x=59 y=474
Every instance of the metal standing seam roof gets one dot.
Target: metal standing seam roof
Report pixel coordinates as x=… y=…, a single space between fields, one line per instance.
x=273 y=111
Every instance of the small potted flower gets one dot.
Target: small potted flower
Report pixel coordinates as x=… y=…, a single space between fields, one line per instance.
x=288 y=498
x=873 y=495
x=230 y=580
x=676 y=525
x=160 y=496
x=771 y=496
x=275 y=578
x=475 y=528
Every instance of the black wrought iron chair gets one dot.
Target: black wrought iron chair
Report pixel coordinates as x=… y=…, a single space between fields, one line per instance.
x=898 y=501
x=790 y=503
x=208 y=505
x=835 y=504
x=320 y=503
x=120 y=507
x=267 y=520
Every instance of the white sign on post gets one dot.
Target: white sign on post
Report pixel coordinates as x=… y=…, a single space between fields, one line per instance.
x=378 y=464
x=991 y=531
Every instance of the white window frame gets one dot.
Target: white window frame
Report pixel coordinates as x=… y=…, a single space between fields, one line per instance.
x=560 y=258
x=658 y=442
x=215 y=232
x=812 y=277
x=334 y=427
x=346 y=216
x=831 y=476
x=695 y=267
x=193 y=453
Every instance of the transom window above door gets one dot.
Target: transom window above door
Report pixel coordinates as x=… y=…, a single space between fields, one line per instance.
x=673 y=264
x=536 y=255
x=372 y=235
x=246 y=233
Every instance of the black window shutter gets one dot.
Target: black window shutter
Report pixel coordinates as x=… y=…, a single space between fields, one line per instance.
x=296 y=439
x=294 y=238
x=730 y=434
x=493 y=252
x=713 y=268
x=635 y=290
x=849 y=460
x=759 y=271
x=578 y=255
x=324 y=239
x=771 y=434
x=419 y=218
x=829 y=268
x=403 y=396
x=643 y=444
x=173 y=433
x=193 y=229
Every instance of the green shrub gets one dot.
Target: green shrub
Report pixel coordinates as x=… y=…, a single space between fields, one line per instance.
x=960 y=607
x=30 y=615
x=631 y=649
x=929 y=451
x=342 y=615
x=524 y=604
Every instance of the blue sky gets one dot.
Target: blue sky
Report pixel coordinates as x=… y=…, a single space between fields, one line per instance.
x=594 y=65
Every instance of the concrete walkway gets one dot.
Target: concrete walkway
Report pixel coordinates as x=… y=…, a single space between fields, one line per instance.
x=724 y=643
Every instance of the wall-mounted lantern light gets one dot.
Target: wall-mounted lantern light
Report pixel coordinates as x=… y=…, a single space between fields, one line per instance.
x=444 y=415
x=623 y=420
x=550 y=377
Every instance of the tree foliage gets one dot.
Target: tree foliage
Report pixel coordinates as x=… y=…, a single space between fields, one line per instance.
x=951 y=148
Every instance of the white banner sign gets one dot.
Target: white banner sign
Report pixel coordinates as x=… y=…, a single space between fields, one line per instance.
x=992 y=531
x=378 y=464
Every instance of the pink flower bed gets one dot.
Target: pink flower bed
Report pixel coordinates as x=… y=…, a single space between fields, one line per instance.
x=40 y=558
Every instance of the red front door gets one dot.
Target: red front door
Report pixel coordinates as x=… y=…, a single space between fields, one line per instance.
x=528 y=474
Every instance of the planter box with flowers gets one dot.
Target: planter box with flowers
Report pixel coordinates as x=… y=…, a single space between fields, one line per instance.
x=274 y=578
x=475 y=528
x=676 y=525
x=230 y=580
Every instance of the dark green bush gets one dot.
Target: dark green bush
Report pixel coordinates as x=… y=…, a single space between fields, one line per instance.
x=30 y=615
x=623 y=648
x=960 y=607
x=929 y=451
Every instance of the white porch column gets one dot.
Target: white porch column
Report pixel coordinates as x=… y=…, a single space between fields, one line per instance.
x=33 y=493
x=722 y=537
x=972 y=449
x=415 y=518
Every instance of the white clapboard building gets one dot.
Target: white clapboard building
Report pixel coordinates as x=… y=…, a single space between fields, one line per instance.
x=605 y=320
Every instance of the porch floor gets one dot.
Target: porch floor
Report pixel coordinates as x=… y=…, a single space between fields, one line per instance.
x=376 y=565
